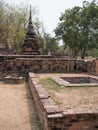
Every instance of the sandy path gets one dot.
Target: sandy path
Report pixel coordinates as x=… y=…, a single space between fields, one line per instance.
x=15 y=108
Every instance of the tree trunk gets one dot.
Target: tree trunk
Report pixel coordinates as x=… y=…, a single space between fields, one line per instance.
x=83 y=53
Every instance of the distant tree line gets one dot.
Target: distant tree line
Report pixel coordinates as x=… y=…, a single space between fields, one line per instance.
x=78 y=28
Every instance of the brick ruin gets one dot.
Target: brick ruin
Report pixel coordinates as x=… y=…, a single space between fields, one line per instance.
x=30 y=46
x=37 y=64
x=53 y=118
x=43 y=63
x=30 y=60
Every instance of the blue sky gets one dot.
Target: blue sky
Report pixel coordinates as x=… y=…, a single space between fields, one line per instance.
x=50 y=10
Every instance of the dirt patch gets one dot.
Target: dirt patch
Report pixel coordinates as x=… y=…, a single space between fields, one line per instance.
x=17 y=108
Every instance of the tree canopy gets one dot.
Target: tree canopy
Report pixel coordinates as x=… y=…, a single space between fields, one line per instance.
x=52 y=44
x=78 y=27
x=13 y=27
x=13 y=21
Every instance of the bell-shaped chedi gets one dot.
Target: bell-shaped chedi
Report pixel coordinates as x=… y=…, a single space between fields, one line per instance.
x=30 y=46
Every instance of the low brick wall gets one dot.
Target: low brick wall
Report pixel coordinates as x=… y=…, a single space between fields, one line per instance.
x=13 y=79
x=81 y=80
x=92 y=66
x=53 y=118
x=45 y=63
x=39 y=64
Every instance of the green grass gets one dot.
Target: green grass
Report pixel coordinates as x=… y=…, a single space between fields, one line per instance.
x=49 y=83
x=57 y=102
x=89 y=57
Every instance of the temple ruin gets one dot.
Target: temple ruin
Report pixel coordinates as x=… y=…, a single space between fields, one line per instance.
x=30 y=61
x=30 y=46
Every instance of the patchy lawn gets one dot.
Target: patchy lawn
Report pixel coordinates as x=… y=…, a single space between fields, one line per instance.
x=75 y=98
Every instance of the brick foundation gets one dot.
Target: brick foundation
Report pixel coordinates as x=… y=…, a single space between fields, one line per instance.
x=53 y=118
x=41 y=63
x=13 y=79
x=92 y=66
x=45 y=63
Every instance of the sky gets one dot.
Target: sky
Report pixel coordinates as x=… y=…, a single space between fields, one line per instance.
x=50 y=10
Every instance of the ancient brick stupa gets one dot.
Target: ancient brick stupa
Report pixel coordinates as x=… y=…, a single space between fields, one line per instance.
x=30 y=46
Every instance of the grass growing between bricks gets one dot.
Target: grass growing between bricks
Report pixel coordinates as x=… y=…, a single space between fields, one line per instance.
x=56 y=101
x=49 y=83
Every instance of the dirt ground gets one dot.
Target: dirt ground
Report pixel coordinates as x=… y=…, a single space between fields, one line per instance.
x=73 y=98
x=17 y=109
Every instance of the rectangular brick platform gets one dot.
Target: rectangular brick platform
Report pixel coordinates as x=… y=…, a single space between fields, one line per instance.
x=54 y=118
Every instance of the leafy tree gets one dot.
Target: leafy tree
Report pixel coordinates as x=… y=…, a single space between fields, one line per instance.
x=78 y=27
x=89 y=26
x=13 y=21
x=39 y=30
x=42 y=42
x=13 y=26
x=45 y=41
x=51 y=44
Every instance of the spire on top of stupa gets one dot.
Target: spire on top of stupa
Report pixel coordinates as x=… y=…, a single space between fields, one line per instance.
x=30 y=46
x=30 y=16
x=30 y=29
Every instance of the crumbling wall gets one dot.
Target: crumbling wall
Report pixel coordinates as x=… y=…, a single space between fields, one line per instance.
x=92 y=66
x=81 y=65
x=53 y=118
x=39 y=64
x=42 y=63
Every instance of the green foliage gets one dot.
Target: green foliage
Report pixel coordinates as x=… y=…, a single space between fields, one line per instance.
x=13 y=26
x=49 y=83
x=78 y=27
x=13 y=22
x=51 y=44
x=56 y=101
x=41 y=41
